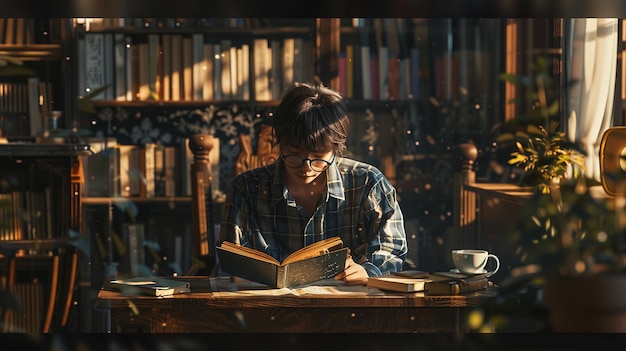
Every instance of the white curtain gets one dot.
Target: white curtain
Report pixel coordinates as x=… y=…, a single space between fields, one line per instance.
x=591 y=59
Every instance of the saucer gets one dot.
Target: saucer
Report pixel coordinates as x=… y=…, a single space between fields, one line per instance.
x=457 y=271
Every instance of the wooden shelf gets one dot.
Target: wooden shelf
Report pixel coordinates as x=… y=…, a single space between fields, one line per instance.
x=42 y=150
x=161 y=103
x=34 y=52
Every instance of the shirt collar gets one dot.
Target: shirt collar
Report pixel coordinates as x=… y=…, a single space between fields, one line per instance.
x=333 y=181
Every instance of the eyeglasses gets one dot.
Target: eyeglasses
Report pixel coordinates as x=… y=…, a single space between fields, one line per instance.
x=315 y=164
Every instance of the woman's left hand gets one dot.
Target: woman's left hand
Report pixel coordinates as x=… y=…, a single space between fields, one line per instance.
x=353 y=274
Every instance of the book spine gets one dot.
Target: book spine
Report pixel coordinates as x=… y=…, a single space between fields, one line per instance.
x=287 y=62
x=245 y=71
x=155 y=61
x=166 y=44
x=341 y=62
x=94 y=63
x=144 y=72
x=415 y=79
x=281 y=276
x=383 y=72
x=217 y=71
x=261 y=79
x=207 y=78
x=33 y=106
x=349 y=71
x=197 y=40
x=234 y=87
x=120 y=67
x=227 y=91
x=109 y=66
x=366 y=76
x=187 y=69
x=177 y=67
x=275 y=69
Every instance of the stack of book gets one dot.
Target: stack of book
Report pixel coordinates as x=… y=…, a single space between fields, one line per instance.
x=438 y=283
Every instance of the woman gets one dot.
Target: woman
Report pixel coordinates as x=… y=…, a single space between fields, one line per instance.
x=312 y=193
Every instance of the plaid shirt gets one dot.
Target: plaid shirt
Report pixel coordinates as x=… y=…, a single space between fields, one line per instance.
x=359 y=205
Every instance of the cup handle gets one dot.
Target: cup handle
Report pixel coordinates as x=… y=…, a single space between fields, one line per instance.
x=489 y=274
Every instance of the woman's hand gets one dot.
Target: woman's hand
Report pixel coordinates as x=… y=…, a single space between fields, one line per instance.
x=353 y=274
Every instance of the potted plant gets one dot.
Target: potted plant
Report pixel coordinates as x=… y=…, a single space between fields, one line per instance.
x=534 y=140
x=572 y=243
x=545 y=154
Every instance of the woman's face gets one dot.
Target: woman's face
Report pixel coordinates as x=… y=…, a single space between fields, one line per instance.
x=303 y=166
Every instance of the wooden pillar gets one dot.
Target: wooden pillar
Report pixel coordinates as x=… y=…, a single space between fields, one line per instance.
x=465 y=201
x=201 y=205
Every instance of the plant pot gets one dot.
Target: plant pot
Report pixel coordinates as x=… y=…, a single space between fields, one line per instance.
x=594 y=304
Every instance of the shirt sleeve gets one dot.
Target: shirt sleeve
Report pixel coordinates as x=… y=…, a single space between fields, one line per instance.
x=235 y=216
x=386 y=239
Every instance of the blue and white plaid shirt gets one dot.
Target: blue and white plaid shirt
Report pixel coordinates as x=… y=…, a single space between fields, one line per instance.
x=359 y=206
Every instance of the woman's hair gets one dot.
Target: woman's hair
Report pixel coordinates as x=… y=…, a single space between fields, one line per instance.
x=312 y=117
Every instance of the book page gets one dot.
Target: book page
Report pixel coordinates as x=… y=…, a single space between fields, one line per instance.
x=315 y=249
x=248 y=252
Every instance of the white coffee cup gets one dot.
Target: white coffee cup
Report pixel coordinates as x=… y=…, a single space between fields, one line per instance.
x=470 y=261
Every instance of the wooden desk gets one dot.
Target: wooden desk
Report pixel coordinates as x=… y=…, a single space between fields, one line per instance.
x=204 y=311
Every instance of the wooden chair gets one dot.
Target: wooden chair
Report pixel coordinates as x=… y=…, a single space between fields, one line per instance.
x=39 y=286
x=266 y=152
x=203 y=232
x=204 y=236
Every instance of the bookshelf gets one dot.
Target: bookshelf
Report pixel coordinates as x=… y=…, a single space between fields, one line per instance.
x=40 y=218
x=168 y=118
x=34 y=79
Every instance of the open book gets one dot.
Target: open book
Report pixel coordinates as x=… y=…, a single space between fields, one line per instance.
x=321 y=260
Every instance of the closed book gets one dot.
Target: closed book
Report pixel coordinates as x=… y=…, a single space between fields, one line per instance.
x=146 y=167
x=349 y=71
x=187 y=82
x=383 y=72
x=341 y=63
x=275 y=69
x=207 y=72
x=109 y=66
x=101 y=168
x=167 y=54
x=150 y=286
x=176 y=78
x=197 y=43
x=119 y=62
x=227 y=89
x=144 y=72
x=322 y=260
x=94 y=63
x=457 y=286
x=288 y=62
x=245 y=71
x=366 y=73
x=155 y=67
x=398 y=283
x=261 y=70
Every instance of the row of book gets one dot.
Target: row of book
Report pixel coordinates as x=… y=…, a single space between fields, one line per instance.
x=174 y=23
x=17 y=31
x=23 y=106
x=148 y=170
x=376 y=74
x=189 y=67
x=25 y=215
